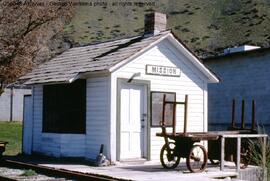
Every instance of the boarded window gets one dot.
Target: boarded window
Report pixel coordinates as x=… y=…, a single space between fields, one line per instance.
x=64 y=107
x=157 y=108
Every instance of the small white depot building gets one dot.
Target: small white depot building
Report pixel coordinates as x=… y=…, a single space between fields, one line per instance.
x=111 y=93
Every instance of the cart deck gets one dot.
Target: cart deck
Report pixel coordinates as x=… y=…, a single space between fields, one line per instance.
x=193 y=136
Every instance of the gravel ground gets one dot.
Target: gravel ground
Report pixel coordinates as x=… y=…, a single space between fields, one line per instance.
x=18 y=175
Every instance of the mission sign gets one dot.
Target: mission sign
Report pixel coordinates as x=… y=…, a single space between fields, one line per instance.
x=163 y=70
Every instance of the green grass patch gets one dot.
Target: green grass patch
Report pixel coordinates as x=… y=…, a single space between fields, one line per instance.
x=11 y=132
x=28 y=173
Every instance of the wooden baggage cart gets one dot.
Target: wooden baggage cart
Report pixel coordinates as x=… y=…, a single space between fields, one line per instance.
x=181 y=145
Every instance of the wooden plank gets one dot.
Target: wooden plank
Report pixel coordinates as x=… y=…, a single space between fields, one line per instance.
x=238 y=154
x=174 y=118
x=163 y=111
x=264 y=158
x=243 y=114
x=233 y=114
x=171 y=102
x=253 y=124
x=245 y=136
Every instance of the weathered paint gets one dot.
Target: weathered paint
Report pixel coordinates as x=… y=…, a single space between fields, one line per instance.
x=52 y=144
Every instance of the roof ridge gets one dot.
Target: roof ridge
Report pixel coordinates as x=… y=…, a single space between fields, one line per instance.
x=107 y=41
x=120 y=46
x=131 y=37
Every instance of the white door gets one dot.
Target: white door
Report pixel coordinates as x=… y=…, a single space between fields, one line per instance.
x=132 y=124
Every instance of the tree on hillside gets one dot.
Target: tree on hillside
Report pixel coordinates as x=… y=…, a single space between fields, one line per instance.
x=25 y=25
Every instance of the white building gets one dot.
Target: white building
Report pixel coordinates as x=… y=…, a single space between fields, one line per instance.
x=11 y=103
x=101 y=94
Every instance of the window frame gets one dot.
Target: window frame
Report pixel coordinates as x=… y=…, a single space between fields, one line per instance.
x=56 y=97
x=151 y=107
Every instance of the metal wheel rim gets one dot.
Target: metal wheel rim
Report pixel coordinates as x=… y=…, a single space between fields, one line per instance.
x=167 y=162
x=196 y=162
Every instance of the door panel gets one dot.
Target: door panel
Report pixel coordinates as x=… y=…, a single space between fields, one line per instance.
x=131 y=112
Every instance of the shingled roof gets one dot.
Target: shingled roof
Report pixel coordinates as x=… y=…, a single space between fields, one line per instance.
x=92 y=58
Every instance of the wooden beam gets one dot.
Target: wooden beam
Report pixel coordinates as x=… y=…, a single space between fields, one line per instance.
x=222 y=153
x=264 y=158
x=172 y=102
x=163 y=115
x=174 y=119
x=238 y=154
x=253 y=125
x=243 y=114
x=233 y=114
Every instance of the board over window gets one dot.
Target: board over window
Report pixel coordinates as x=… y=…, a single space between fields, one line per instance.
x=64 y=108
x=157 y=107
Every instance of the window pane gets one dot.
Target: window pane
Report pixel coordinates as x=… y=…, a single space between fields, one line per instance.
x=157 y=108
x=64 y=107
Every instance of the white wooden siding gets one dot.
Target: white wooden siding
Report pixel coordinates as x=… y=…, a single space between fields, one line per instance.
x=97 y=118
x=191 y=82
x=66 y=145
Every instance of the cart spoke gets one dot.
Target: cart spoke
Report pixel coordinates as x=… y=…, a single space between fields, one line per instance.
x=196 y=162
x=168 y=156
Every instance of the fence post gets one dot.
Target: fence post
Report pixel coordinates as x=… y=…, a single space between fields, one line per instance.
x=238 y=154
x=264 y=159
x=222 y=153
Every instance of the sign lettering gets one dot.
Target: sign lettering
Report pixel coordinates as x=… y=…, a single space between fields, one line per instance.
x=163 y=70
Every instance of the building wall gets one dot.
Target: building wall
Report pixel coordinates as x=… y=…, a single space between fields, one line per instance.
x=242 y=77
x=190 y=82
x=53 y=144
x=75 y=145
x=5 y=104
x=97 y=118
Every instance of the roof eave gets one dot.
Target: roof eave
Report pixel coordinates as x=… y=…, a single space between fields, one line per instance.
x=79 y=75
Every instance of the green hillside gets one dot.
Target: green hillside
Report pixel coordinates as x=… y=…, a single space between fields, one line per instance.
x=206 y=26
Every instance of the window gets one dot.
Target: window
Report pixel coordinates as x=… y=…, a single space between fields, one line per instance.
x=64 y=107
x=157 y=108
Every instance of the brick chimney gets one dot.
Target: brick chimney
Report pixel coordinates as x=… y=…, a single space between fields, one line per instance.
x=154 y=23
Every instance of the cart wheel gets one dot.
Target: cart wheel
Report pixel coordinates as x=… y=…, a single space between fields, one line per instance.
x=197 y=159
x=168 y=158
